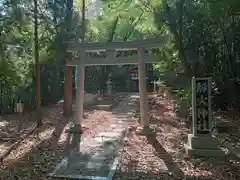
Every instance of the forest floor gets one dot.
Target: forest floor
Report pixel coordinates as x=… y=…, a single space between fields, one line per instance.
x=162 y=155
x=159 y=156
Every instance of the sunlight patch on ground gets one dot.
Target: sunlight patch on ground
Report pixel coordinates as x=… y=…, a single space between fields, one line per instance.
x=63 y=137
x=3 y=124
x=46 y=134
x=3 y=148
x=29 y=143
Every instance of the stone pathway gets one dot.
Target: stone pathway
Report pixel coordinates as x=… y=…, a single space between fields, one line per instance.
x=97 y=157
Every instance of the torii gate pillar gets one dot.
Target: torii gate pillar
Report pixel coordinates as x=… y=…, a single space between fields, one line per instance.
x=79 y=98
x=78 y=128
x=144 y=122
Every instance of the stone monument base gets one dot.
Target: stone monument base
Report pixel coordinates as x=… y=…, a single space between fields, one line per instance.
x=202 y=146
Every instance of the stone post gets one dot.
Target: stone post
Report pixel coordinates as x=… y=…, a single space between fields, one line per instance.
x=160 y=87
x=144 y=122
x=154 y=86
x=201 y=142
x=109 y=88
x=19 y=110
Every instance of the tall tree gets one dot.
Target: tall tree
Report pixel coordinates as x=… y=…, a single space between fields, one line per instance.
x=37 y=66
x=68 y=69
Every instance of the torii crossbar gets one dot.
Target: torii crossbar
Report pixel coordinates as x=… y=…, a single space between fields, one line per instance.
x=109 y=56
x=112 y=60
x=123 y=45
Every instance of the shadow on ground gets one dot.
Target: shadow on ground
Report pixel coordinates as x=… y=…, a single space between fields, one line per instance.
x=42 y=158
x=44 y=155
x=174 y=172
x=81 y=163
x=168 y=142
x=162 y=153
x=40 y=152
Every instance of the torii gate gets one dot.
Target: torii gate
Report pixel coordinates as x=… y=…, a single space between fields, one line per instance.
x=108 y=56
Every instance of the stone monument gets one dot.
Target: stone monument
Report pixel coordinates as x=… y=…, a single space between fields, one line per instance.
x=201 y=142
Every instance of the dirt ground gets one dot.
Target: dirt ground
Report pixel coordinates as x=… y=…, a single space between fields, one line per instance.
x=158 y=156
x=162 y=155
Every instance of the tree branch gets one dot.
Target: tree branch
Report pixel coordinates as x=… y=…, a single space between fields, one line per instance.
x=177 y=32
x=134 y=25
x=112 y=32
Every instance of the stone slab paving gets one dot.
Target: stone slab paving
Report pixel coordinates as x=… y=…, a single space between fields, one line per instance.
x=97 y=157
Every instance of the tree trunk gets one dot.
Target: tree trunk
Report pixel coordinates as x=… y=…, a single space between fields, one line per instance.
x=37 y=66
x=106 y=69
x=178 y=33
x=68 y=69
x=67 y=91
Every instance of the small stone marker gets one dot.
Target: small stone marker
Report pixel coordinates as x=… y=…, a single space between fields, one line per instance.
x=19 y=107
x=154 y=86
x=201 y=142
x=160 y=86
x=109 y=88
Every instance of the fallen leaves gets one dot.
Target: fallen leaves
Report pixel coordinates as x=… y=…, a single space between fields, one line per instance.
x=171 y=134
x=141 y=158
x=38 y=154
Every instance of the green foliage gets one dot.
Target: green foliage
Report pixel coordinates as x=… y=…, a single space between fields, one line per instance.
x=205 y=40
x=168 y=60
x=17 y=69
